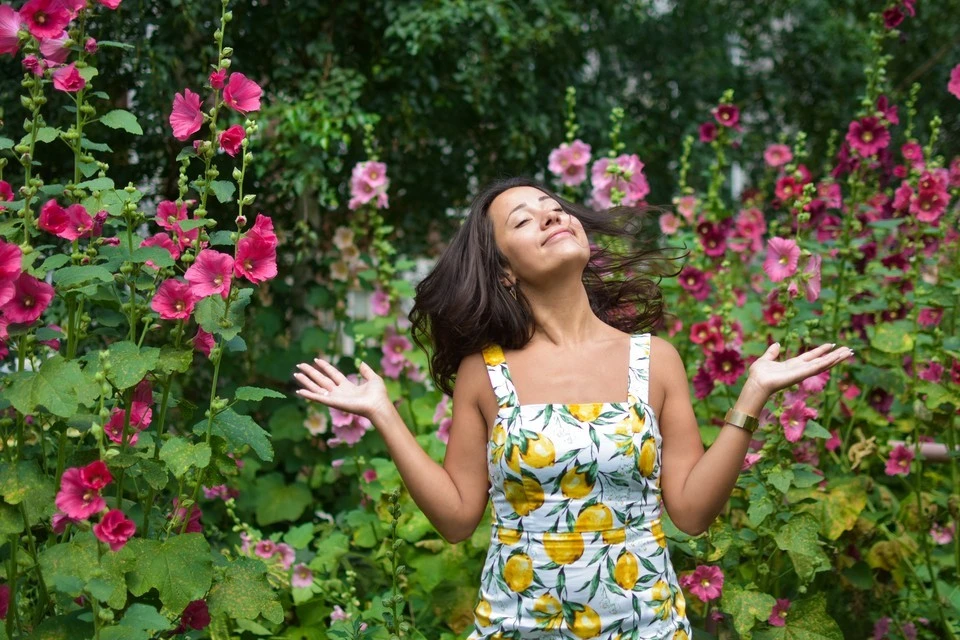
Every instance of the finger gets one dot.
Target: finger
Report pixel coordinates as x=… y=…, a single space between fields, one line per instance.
x=366 y=372
x=309 y=373
x=772 y=352
x=312 y=385
x=310 y=395
x=332 y=372
x=819 y=351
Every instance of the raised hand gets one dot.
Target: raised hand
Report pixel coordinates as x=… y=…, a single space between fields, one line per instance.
x=324 y=383
x=772 y=376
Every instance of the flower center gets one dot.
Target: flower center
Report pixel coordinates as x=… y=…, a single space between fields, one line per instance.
x=40 y=17
x=727 y=366
x=180 y=306
x=248 y=265
x=218 y=280
x=867 y=136
x=27 y=301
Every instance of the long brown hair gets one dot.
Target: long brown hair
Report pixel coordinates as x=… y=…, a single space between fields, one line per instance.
x=462 y=305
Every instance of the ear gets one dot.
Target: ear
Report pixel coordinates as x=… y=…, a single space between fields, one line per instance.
x=507 y=280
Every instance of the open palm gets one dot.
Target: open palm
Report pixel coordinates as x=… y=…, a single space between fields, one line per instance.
x=772 y=376
x=326 y=384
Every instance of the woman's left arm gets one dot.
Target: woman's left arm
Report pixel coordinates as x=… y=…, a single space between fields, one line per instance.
x=697 y=484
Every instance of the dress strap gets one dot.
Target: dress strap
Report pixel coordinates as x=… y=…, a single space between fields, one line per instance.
x=640 y=367
x=499 y=375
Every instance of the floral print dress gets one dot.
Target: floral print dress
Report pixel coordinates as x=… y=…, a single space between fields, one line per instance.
x=577 y=549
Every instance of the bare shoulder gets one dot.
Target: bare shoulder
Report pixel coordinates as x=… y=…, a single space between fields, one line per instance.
x=666 y=371
x=472 y=387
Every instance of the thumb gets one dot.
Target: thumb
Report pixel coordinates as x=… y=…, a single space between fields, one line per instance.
x=366 y=372
x=772 y=351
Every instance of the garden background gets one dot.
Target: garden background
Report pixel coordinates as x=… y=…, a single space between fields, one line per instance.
x=195 y=197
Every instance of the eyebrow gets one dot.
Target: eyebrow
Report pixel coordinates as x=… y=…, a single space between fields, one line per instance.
x=523 y=204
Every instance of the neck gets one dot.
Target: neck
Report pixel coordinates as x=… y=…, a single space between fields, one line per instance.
x=562 y=315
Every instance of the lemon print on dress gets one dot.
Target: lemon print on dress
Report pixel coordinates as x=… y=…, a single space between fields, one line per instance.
x=586 y=623
x=638 y=419
x=585 y=412
x=482 y=612
x=679 y=604
x=493 y=356
x=627 y=570
x=518 y=572
x=498 y=439
x=540 y=452
x=648 y=456
x=596 y=517
x=660 y=591
x=524 y=496
x=680 y=635
x=656 y=529
x=548 y=612
x=576 y=484
x=509 y=536
x=563 y=548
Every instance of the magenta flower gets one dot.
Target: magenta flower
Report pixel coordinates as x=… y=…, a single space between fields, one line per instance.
x=256 y=259
x=231 y=139
x=161 y=240
x=815 y=384
x=110 y=4
x=787 y=188
x=53 y=49
x=59 y=522
x=263 y=227
x=833 y=442
x=302 y=576
x=169 y=214
x=11 y=257
x=779 y=614
x=811 y=274
x=174 y=300
x=374 y=173
x=930 y=316
x=180 y=514
x=210 y=274
x=380 y=302
x=79 y=223
x=242 y=94
x=395 y=346
x=899 y=461
x=954 y=85
x=45 y=18
x=362 y=190
x=727 y=115
x=75 y=498
x=708 y=132
x=569 y=162
x=627 y=178
x=196 y=615
x=942 y=534
x=706 y=582
x=783 y=255
x=203 y=342
x=218 y=78
x=794 y=420
x=749 y=460
x=95 y=475
x=265 y=549
x=725 y=365
x=867 y=136
x=115 y=529
x=31 y=297
x=695 y=281
x=186 y=117
x=777 y=155
x=91 y=46
x=68 y=79
x=140 y=417
x=892 y=17
x=9 y=28
x=287 y=555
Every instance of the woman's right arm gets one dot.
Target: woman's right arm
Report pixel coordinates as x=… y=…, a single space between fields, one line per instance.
x=452 y=496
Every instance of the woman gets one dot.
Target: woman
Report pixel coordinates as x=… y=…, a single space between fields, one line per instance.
x=577 y=424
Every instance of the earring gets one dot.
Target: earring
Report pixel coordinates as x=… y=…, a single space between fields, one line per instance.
x=513 y=290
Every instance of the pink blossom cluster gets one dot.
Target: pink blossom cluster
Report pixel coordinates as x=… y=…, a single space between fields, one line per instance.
x=569 y=162
x=196 y=615
x=726 y=115
x=23 y=298
x=71 y=223
x=369 y=182
x=929 y=200
x=783 y=261
x=267 y=549
x=705 y=582
x=394 y=360
x=442 y=419
x=893 y=15
x=240 y=93
x=686 y=207
x=181 y=515
x=79 y=498
x=723 y=362
x=623 y=173
x=220 y=491
x=141 y=414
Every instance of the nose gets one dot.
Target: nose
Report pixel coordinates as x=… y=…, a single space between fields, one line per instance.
x=551 y=217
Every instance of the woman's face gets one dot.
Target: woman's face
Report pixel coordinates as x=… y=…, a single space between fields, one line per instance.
x=538 y=238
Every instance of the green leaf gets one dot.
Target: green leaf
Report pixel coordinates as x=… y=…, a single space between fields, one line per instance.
x=5 y=143
x=781 y=479
x=179 y=568
x=158 y=255
x=24 y=483
x=209 y=313
x=122 y=119
x=747 y=607
x=223 y=190
x=181 y=455
x=280 y=502
x=144 y=617
x=54 y=387
x=73 y=565
x=330 y=549
x=129 y=363
x=798 y=537
x=806 y=620
x=255 y=394
x=299 y=537
x=245 y=593
x=69 y=276
x=838 y=508
x=44 y=134
x=173 y=360
x=190 y=225
x=892 y=337
x=97 y=184
x=239 y=431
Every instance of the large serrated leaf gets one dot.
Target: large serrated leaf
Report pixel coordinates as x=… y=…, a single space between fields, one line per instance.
x=180 y=569
x=54 y=386
x=255 y=394
x=245 y=593
x=122 y=119
x=239 y=431
x=181 y=455
x=129 y=363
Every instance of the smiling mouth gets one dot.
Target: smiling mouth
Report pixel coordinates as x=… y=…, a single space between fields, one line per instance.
x=559 y=234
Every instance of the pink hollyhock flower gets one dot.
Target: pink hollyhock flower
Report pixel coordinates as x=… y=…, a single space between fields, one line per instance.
x=45 y=18
x=706 y=582
x=811 y=280
x=815 y=384
x=750 y=459
x=362 y=190
x=231 y=139
x=11 y=257
x=180 y=514
x=350 y=434
x=380 y=302
x=787 y=188
x=867 y=136
x=929 y=204
x=141 y=415
x=186 y=117
x=669 y=224
x=115 y=529
x=302 y=576
x=242 y=94
x=53 y=218
x=337 y=614
x=34 y=65
x=256 y=259
x=712 y=238
x=110 y=4
x=210 y=274
x=75 y=499
x=143 y=392
x=443 y=430
x=899 y=461
x=174 y=300
x=913 y=153
x=794 y=420
x=161 y=240
x=702 y=383
x=892 y=17
x=203 y=342
x=340 y=418
x=725 y=365
x=569 y=162
x=902 y=196
x=263 y=227
x=394 y=348
x=374 y=174
x=887 y=111
x=440 y=412
x=687 y=207
x=942 y=534
x=783 y=255
x=831 y=194
x=727 y=115
x=265 y=549
x=777 y=155
x=9 y=28
x=59 y=522
x=932 y=372
x=30 y=299
x=881 y=627
x=708 y=132
x=6 y=193
x=79 y=223
x=218 y=78
x=91 y=46
x=954 y=85
x=369 y=475
x=779 y=614
x=169 y=214
x=930 y=316
x=95 y=475
x=833 y=442
x=52 y=49
x=695 y=281
x=286 y=554
x=68 y=79
x=196 y=615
